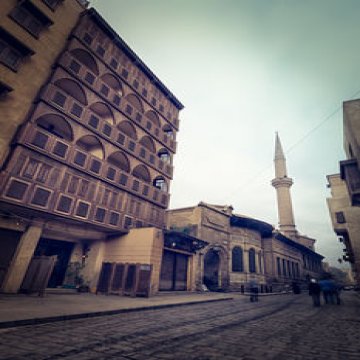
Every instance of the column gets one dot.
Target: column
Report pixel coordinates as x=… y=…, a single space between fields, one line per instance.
x=246 y=261
x=22 y=258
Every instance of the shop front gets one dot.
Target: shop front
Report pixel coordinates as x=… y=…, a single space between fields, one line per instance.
x=178 y=261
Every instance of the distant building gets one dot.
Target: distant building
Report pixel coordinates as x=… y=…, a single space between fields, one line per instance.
x=344 y=203
x=242 y=250
x=87 y=144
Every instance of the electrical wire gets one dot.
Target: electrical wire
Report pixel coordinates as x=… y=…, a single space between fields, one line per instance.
x=251 y=180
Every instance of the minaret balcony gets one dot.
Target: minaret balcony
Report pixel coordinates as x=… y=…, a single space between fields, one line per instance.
x=350 y=173
x=282 y=182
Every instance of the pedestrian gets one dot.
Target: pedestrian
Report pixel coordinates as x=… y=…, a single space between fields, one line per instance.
x=254 y=291
x=329 y=290
x=296 y=288
x=337 y=292
x=314 y=292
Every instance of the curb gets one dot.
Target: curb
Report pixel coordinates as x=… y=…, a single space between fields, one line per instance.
x=50 y=319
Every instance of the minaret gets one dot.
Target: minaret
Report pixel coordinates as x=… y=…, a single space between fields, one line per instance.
x=282 y=184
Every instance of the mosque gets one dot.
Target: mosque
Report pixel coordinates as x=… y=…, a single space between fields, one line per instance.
x=241 y=249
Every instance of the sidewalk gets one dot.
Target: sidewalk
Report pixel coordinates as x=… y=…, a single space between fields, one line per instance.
x=18 y=310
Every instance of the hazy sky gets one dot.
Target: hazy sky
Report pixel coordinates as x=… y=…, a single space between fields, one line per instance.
x=245 y=69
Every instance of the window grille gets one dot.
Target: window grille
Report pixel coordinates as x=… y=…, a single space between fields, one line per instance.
x=100 y=214
x=82 y=210
x=60 y=149
x=41 y=197
x=16 y=190
x=64 y=204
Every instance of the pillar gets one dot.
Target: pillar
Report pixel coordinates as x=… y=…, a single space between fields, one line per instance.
x=22 y=257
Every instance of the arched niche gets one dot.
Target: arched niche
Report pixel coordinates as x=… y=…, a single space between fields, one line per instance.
x=56 y=125
x=169 y=132
x=252 y=261
x=164 y=155
x=135 y=102
x=92 y=145
x=160 y=183
x=112 y=82
x=141 y=172
x=153 y=117
x=128 y=129
x=86 y=59
x=119 y=160
x=103 y=111
x=72 y=88
x=148 y=143
x=237 y=259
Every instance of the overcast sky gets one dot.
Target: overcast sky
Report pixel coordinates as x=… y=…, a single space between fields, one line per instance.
x=245 y=69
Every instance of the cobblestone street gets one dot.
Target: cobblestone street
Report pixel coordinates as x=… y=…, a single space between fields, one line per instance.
x=277 y=327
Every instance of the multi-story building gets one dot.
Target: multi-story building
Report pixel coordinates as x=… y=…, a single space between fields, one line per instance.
x=344 y=203
x=243 y=250
x=92 y=155
x=32 y=34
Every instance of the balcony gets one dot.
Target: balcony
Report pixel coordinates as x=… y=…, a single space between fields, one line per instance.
x=122 y=72
x=71 y=155
x=350 y=173
x=35 y=182
x=114 y=98
x=111 y=133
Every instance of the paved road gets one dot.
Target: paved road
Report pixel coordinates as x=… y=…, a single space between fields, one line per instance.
x=277 y=327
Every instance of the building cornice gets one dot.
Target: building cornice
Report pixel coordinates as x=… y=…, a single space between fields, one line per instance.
x=302 y=248
x=132 y=55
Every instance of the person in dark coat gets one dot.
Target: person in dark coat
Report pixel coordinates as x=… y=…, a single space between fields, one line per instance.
x=331 y=291
x=254 y=291
x=314 y=292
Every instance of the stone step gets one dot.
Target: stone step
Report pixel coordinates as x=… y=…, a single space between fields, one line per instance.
x=58 y=291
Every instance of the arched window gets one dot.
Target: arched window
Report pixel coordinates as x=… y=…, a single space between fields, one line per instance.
x=103 y=111
x=92 y=145
x=72 y=88
x=168 y=131
x=237 y=259
x=252 y=265
x=112 y=82
x=141 y=172
x=128 y=129
x=153 y=117
x=164 y=155
x=160 y=183
x=56 y=125
x=260 y=262
x=119 y=160
x=135 y=102
x=86 y=59
x=148 y=143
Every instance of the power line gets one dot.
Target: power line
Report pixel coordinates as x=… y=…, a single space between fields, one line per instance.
x=251 y=180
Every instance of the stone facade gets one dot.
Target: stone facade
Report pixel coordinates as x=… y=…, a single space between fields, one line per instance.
x=93 y=135
x=242 y=250
x=344 y=203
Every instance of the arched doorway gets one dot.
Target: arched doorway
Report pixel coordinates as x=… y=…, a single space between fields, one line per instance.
x=212 y=270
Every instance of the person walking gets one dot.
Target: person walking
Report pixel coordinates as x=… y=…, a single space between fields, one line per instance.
x=254 y=291
x=314 y=292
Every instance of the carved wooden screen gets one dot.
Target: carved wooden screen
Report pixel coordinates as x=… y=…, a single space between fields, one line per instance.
x=105 y=277
x=117 y=283
x=144 y=280
x=38 y=274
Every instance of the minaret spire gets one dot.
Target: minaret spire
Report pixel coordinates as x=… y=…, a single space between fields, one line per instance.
x=282 y=184
x=279 y=159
